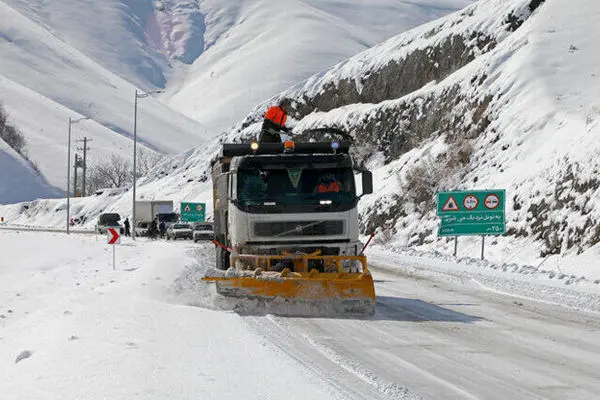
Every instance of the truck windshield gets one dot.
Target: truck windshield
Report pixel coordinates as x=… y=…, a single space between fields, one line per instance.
x=295 y=185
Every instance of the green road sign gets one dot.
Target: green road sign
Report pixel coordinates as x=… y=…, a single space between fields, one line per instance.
x=193 y=212
x=477 y=212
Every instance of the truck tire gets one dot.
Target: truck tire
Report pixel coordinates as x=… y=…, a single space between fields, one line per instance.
x=222 y=258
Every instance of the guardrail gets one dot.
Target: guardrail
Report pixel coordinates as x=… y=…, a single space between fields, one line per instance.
x=44 y=229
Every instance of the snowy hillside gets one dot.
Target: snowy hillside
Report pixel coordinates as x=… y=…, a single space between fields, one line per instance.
x=287 y=46
x=16 y=172
x=44 y=81
x=82 y=58
x=500 y=95
x=218 y=58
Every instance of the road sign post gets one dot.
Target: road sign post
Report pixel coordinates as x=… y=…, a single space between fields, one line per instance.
x=113 y=237
x=482 y=246
x=193 y=212
x=477 y=212
x=455 y=245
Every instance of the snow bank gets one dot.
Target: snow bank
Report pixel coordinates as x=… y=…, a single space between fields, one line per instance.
x=91 y=332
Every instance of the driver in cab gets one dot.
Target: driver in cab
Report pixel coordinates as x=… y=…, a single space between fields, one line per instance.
x=328 y=183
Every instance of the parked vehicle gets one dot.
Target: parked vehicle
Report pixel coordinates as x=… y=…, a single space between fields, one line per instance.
x=203 y=231
x=141 y=228
x=109 y=220
x=180 y=231
x=147 y=211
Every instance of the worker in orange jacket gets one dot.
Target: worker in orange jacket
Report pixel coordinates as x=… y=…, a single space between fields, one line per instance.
x=328 y=183
x=274 y=122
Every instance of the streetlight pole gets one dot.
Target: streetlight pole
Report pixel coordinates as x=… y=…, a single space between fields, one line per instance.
x=69 y=178
x=132 y=224
x=71 y=122
x=138 y=95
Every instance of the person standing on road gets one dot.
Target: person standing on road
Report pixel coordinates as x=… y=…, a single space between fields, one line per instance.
x=153 y=231
x=162 y=228
x=127 y=227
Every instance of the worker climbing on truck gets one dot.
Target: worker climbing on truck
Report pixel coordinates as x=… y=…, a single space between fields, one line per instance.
x=274 y=122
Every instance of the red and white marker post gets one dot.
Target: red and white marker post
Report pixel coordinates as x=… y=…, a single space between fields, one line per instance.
x=113 y=238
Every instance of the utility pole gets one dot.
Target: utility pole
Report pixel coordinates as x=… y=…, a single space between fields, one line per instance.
x=75 y=174
x=71 y=122
x=84 y=165
x=69 y=177
x=135 y=103
x=78 y=164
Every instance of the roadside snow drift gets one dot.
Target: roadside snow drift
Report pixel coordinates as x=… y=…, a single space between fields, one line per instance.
x=72 y=327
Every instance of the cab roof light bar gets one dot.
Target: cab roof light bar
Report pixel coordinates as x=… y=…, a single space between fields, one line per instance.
x=243 y=149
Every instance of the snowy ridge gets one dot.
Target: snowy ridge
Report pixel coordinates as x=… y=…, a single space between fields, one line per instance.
x=86 y=56
x=44 y=81
x=255 y=49
x=479 y=27
x=47 y=137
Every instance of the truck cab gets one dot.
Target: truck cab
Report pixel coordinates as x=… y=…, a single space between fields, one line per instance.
x=286 y=198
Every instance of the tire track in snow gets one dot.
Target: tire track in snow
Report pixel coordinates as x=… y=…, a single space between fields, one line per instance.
x=348 y=368
x=392 y=390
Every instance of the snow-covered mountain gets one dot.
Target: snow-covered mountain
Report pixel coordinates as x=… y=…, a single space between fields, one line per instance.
x=44 y=81
x=218 y=58
x=256 y=49
x=214 y=59
x=498 y=95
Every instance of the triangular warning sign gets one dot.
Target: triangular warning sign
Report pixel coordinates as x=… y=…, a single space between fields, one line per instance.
x=451 y=205
x=294 y=174
x=187 y=208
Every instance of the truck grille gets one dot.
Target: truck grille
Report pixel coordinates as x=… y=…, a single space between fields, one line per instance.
x=299 y=228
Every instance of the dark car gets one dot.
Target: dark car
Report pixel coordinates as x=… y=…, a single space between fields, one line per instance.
x=109 y=220
x=179 y=231
x=203 y=231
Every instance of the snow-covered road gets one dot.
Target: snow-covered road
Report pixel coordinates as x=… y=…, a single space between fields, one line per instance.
x=150 y=330
x=438 y=340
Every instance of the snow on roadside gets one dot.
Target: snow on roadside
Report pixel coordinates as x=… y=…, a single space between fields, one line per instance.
x=74 y=328
x=520 y=281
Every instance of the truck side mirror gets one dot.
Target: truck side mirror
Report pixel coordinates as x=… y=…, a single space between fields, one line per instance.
x=367 y=182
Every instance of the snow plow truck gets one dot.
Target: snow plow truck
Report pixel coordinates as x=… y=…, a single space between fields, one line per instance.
x=286 y=225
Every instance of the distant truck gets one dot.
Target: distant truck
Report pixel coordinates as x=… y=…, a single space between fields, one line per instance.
x=162 y=210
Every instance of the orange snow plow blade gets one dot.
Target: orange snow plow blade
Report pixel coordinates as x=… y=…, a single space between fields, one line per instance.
x=345 y=287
